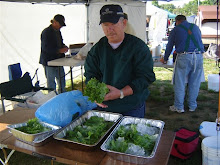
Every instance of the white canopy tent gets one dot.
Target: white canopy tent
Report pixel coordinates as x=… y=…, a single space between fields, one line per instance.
x=21 y=25
x=158 y=23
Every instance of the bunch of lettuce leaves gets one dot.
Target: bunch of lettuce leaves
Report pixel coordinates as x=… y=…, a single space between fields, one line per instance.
x=128 y=134
x=95 y=90
x=90 y=131
x=33 y=126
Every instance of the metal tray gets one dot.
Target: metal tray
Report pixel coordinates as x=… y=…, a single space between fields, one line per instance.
x=33 y=139
x=129 y=157
x=40 y=140
x=108 y=116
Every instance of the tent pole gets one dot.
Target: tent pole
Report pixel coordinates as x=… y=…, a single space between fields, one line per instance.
x=217 y=27
x=87 y=21
x=218 y=54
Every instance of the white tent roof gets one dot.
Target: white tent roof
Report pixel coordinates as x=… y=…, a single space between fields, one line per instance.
x=77 y=1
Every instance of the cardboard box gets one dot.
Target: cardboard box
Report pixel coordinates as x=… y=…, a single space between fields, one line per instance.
x=75 y=48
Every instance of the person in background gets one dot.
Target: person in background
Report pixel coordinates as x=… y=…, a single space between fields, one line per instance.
x=186 y=38
x=52 y=47
x=123 y=62
x=168 y=22
x=147 y=28
x=147 y=21
x=128 y=29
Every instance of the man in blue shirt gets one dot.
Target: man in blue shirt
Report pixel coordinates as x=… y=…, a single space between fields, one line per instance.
x=186 y=38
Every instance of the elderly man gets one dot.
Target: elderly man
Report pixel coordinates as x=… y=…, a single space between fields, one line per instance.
x=189 y=62
x=123 y=62
x=52 y=47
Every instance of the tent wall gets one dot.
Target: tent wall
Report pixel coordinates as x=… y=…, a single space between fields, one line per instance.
x=21 y=25
x=136 y=17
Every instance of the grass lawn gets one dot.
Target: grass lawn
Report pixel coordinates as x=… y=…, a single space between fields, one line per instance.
x=158 y=103
x=162 y=96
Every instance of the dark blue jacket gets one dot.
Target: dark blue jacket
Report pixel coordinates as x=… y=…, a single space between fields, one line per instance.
x=50 y=45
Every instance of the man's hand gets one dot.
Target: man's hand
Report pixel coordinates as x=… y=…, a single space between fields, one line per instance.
x=102 y=105
x=64 y=49
x=162 y=60
x=113 y=94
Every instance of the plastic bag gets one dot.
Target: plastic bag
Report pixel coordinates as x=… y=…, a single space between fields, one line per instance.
x=40 y=98
x=82 y=54
x=82 y=101
x=34 y=99
x=61 y=109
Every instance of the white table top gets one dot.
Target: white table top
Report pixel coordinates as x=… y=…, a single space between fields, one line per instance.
x=169 y=64
x=73 y=62
x=66 y=62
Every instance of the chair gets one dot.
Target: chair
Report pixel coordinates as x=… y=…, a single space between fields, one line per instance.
x=19 y=90
x=15 y=71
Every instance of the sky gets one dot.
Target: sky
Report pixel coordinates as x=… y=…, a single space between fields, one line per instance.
x=175 y=2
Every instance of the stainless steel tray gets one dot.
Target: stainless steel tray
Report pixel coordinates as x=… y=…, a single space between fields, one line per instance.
x=131 y=158
x=108 y=116
x=33 y=139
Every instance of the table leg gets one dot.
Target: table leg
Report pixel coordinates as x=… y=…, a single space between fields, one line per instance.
x=82 y=76
x=7 y=157
x=61 y=90
x=71 y=77
x=3 y=105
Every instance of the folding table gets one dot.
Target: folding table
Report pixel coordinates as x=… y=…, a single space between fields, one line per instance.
x=71 y=153
x=71 y=62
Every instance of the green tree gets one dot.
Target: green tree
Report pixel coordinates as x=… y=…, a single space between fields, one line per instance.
x=188 y=9
x=191 y=8
x=208 y=2
x=177 y=10
x=168 y=7
x=155 y=3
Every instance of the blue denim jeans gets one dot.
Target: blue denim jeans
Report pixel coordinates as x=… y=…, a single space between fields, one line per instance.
x=139 y=111
x=188 y=66
x=52 y=73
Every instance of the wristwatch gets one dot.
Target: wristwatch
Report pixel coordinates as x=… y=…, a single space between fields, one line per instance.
x=121 y=94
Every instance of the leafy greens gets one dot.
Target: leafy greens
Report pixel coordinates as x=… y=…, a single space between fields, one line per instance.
x=33 y=126
x=90 y=131
x=95 y=90
x=128 y=135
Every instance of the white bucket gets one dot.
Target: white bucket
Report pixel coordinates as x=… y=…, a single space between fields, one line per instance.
x=213 y=82
x=210 y=151
x=208 y=128
x=153 y=52
x=156 y=52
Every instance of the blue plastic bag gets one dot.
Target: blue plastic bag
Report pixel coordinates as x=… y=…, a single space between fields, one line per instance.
x=60 y=110
x=82 y=101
